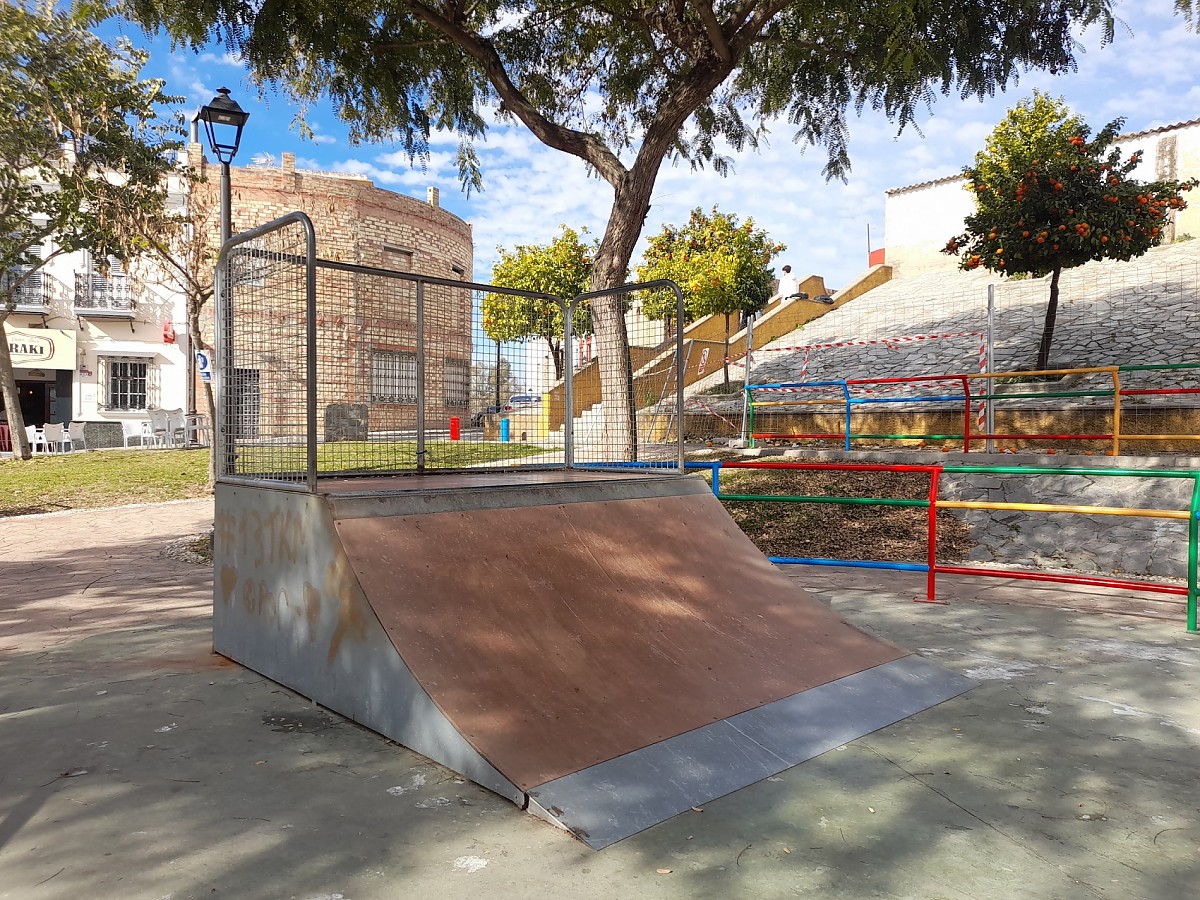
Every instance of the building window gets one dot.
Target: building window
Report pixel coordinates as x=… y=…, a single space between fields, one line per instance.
x=458 y=382
x=398 y=259
x=128 y=383
x=31 y=291
x=245 y=403
x=393 y=376
x=458 y=271
x=100 y=289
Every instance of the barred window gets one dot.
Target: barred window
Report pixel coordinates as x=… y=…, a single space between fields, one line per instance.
x=393 y=376
x=458 y=382
x=128 y=383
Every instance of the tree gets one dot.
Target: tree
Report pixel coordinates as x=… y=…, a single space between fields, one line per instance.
x=493 y=381
x=562 y=268
x=185 y=256
x=1047 y=198
x=84 y=156
x=722 y=266
x=626 y=84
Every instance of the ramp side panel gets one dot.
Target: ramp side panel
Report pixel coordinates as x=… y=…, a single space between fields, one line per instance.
x=558 y=637
x=287 y=604
x=623 y=796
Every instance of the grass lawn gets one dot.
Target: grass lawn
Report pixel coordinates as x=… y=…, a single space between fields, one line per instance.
x=101 y=478
x=120 y=477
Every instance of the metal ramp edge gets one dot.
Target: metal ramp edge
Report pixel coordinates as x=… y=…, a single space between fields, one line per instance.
x=618 y=798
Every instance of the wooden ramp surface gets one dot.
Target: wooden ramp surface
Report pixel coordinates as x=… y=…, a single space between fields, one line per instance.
x=557 y=638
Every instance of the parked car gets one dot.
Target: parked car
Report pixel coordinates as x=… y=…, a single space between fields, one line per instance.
x=480 y=417
x=517 y=401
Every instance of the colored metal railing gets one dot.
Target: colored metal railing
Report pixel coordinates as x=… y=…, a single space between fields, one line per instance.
x=933 y=503
x=857 y=392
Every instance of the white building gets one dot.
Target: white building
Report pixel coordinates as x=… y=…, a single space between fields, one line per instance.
x=96 y=343
x=920 y=218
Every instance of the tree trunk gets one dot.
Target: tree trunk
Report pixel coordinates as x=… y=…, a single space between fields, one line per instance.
x=1043 y=358
x=12 y=400
x=556 y=353
x=631 y=204
x=193 y=315
x=725 y=357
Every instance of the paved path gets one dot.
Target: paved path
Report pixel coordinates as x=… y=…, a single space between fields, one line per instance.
x=134 y=763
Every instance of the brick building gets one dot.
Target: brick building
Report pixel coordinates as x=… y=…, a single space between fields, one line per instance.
x=367 y=347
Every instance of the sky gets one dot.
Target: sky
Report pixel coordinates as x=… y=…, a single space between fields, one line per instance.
x=1149 y=75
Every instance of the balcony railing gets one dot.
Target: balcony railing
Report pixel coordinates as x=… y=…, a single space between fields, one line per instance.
x=103 y=295
x=32 y=294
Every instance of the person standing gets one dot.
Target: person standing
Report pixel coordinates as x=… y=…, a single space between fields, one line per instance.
x=789 y=289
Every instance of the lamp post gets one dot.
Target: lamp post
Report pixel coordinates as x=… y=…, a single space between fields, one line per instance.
x=223 y=123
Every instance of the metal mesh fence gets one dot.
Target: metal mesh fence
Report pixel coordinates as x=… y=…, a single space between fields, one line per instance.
x=607 y=426
x=263 y=287
x=337 y=369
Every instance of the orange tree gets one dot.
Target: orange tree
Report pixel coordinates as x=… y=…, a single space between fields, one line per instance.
x=562 y=268
x=722 y=266
x=1049 y=196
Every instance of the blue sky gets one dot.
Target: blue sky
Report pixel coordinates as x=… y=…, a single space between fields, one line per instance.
x=1149 y=75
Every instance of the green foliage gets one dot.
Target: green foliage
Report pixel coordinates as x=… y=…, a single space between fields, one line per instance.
x=84 y=154
x=562 y=268
x=83 y=149
x=723 y=266
x=725 y=68
x=1050 y=196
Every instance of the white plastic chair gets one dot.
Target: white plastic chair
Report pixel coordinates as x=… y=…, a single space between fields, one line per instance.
x=56 y=437
x=176 y=427
x=195 y=429
x=36 y=438
x=136 y=429
x=75 y=436
x=159 y=426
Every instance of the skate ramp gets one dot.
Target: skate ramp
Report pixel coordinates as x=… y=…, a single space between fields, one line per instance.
x=607 y=653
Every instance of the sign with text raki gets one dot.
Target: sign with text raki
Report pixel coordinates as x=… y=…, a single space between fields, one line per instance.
x=41 y=348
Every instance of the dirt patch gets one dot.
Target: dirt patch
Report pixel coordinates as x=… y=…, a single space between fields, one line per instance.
x=839 y=530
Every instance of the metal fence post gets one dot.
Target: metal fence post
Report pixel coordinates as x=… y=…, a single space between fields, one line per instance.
x=568 y=308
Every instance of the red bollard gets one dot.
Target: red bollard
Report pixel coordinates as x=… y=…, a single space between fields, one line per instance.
x=454 y=429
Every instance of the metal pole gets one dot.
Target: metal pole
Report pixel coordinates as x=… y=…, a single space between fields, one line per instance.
x=990 y=414
x=749 y=360
x=226 y=214
x=497 y=376
x=224 y=337
x=421 y=376
x=568 y=311
x=679 y=376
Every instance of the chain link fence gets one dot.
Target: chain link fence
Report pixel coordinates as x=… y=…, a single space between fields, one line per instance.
x=335 y=369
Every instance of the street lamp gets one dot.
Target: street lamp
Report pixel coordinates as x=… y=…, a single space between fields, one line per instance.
x=223 y=123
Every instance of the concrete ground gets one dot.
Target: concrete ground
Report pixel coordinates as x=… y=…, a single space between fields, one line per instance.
x=135 y=763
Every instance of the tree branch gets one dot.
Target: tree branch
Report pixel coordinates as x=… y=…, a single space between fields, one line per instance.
x=587 y=147
x=715 y=35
